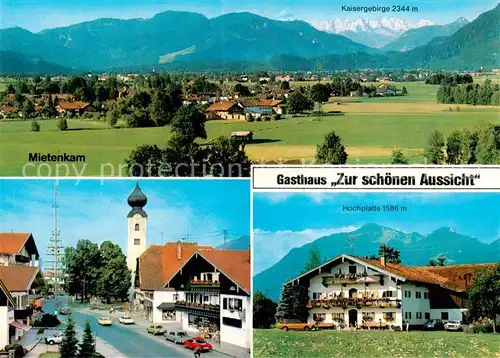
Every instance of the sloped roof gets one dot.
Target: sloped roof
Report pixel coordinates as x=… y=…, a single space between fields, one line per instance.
x=221 y=106
x=455 y=277
x=234 y=264
x=73 y=105
x=262 y=102
x=18 y=278
x=7 y=294
x=158 y=264
x=11 y=243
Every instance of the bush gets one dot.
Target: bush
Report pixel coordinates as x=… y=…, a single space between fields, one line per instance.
x=258 y=119
x=249 y=117
x=457 y=109
x=35 y=126
x=17 y=348
x=277 y=117
x=62 y=124
x=479 y=328
x=266 y=118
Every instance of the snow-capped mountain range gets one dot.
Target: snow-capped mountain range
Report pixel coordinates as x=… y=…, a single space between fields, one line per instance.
x=383 y=26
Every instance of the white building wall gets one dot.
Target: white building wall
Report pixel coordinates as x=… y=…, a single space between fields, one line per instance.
x=4 y=327
x=133 y=250
x=158 y=298
x=233 y=335
x=416 y=306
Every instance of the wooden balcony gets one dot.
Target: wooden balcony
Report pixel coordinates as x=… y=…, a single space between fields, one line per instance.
x=207 y=310
x=340 y=278
x=344 y=302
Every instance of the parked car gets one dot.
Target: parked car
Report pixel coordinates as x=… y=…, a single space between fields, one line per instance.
x=177 y=337
x=453 y=326
x=54 y=339
x=104 y=321
x=126 y=320
x=197 y=342
x=63 y=311
x=294 y=325
x=156 y=329
x=433 y=324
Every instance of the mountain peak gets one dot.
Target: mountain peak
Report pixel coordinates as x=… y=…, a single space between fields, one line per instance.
x=461 y=20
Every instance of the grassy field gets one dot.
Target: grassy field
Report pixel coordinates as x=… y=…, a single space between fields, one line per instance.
x=370 y=129
x=275 y=343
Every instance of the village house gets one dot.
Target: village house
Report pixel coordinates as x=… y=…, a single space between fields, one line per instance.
x=18 y=249
x=156 y=266
x=215 y=296
x=19 y=272
x=8 y=111
x=75 y=108
x=7 y=305
x=383 y=91
x=363 y=292
x=225 y=110
x=263 y=107
x=199 y=98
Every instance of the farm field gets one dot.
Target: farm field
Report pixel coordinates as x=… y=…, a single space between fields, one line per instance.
x=275 y=343
x=369 y=128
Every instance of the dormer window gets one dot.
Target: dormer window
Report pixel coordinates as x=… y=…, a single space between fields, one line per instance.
x=136 y=227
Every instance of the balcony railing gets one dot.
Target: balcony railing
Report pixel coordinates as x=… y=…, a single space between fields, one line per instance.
x=348 y=277
x=202 y=283
x=344 y=302
x=23 y=313
x=204 y=306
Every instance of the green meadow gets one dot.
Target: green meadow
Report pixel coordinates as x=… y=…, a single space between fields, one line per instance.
x=370 y=129
x=373 y=344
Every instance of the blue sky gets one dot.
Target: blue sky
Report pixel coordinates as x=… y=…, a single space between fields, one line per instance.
x=97 y=210
x=285 y=220
x=36 y=15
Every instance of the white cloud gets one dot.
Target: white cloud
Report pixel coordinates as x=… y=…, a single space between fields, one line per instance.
x=270 y=247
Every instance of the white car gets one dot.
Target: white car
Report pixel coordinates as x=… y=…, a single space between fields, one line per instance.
x=126 y=320
x=453 y=326
x=54 y=339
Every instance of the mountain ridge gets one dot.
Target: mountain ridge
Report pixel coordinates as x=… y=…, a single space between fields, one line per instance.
x=416 y=250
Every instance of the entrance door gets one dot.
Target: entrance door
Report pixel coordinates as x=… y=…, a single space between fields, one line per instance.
x=353 y=317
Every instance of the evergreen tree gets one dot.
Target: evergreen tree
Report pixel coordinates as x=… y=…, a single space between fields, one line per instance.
x=331 y=151
x=434 y=151
x=264 y=311
x=314 y=259
x=454 y=148
x=69 y=344
x=404 y=91
x=285 y=304
x=87 y=347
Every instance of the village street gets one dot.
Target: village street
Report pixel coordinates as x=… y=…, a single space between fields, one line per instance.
x=131 y=341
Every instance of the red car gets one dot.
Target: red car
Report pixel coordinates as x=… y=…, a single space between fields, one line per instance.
x=197 y=342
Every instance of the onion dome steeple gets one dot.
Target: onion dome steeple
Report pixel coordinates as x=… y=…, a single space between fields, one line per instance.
x=137 y=200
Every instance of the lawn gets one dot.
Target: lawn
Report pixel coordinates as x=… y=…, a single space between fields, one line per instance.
x=275 y=343
x=370 y=129
x=49 y=355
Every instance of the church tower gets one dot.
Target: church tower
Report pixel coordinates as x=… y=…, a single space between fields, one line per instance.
x=137 y=225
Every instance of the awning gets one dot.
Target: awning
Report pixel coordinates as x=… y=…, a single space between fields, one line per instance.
x=19 y=325
x=166 y=306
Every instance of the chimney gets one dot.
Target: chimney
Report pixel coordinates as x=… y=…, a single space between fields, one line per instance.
x=382 y=260
x=179 y=250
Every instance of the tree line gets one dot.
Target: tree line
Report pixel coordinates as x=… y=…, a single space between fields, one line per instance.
x=96 y=271
x=472 y=93
x=448 y=79
x=478 y=146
